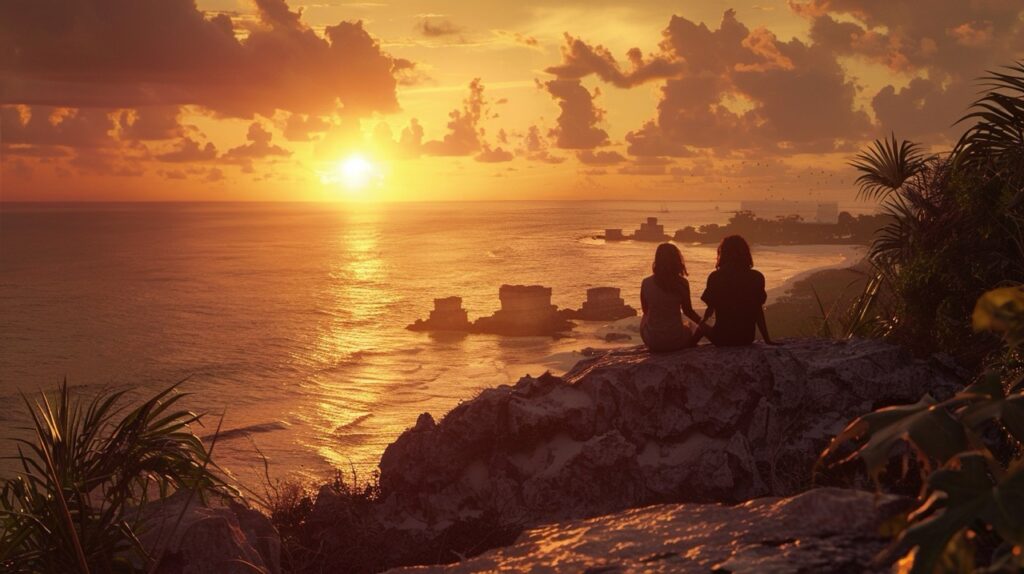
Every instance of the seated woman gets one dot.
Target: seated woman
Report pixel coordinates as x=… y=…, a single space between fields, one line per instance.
x=735 y=295
x=664 y=297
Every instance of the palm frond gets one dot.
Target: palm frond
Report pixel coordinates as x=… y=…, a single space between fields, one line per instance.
x=885 y=165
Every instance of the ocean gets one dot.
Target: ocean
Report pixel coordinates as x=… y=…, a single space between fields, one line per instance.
x=288 y=320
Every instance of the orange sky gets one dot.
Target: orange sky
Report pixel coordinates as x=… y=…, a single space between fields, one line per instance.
x=448 y=99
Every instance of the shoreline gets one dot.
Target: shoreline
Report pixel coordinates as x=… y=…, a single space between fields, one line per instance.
x=849 y=261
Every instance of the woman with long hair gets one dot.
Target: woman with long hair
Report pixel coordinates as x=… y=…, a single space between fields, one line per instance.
x=664 y=298
x=735 y=296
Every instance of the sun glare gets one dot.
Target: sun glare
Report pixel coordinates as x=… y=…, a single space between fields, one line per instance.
x=355 y=174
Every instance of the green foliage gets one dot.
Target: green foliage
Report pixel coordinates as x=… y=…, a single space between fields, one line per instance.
x=971 y=485
x=79 y=501
x=886 y=165
x=955 y=227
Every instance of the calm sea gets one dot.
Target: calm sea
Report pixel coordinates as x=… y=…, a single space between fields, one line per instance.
x=289 y=320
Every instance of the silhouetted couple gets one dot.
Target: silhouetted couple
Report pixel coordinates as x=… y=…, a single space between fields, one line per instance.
x=735 y=296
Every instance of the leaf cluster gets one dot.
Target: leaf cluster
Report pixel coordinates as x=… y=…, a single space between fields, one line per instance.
x=80 y=500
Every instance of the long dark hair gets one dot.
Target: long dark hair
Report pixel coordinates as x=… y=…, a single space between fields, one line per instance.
x=734 y=253
x=669 y=268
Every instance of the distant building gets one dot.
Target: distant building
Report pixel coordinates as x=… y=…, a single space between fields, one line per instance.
x=651 y=231
x=613 y=235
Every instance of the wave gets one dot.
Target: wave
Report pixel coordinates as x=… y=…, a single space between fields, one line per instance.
x=340 y=429
x=249 y=430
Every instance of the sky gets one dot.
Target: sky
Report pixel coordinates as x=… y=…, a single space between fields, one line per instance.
x=422 y=100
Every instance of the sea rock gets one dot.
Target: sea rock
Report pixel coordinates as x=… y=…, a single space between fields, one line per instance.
x=629 y=428
x=602 y=304
x=447 y=315
x=821 y=530
x=228 y=538
x=525 y=310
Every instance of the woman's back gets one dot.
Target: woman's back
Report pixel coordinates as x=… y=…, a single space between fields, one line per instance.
x=662 y=327
x=736 y=294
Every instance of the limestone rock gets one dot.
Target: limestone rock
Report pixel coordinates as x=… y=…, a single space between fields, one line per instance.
x=525 y=310
x=602 y=304
x=822 y=530
x=210 y=539
x=447 y=315
x=627 y=428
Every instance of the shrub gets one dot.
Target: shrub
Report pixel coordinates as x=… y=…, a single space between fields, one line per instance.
x=78 y=503
x=968 y=450
x=956 y=226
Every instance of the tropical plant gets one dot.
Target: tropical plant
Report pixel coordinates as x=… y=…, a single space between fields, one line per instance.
x=956 y=226
x=79 y=502
x=973 y=485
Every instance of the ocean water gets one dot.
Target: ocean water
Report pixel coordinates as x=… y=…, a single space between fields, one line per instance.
x=288 y=320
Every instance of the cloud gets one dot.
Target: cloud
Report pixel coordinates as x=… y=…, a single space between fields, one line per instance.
x=301 y=127
x=189 y=150
x=51 y=126
x=580 y=60
x=494 y=155
x=151 y=123
x=259 y=145
x=463 y=137
x=728 y=89
x=534 y=147
x=577 y=124
x=590 y=157
x=437 y=27
x=129 y=54
x=649 y=140
x=941 y=49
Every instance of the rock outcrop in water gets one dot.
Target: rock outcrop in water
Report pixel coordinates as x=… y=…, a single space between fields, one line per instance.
x=629 y=428
x=822 y=530
x=602 y=304
x=525 y=310
x=447 y=315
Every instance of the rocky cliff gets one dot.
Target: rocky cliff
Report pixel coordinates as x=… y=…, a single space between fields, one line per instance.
x=822 y=530
x=629 y=428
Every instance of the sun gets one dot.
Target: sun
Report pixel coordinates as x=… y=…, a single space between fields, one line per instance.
x=355 y=174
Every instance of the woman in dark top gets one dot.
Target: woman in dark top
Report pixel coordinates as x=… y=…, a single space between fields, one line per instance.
x=665 y=297
x=735 y=295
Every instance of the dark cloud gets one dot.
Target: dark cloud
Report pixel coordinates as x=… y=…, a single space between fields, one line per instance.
x=133 y=53
x=259 y=146
x=942 y=48
x=578 y=123
x=437 y=27
x=189 y=150
x=591 y=157
x=649 y=140
x=50 y=126
x=301 y=127
x=151 y=123
x=494 y=155
x=580 y=60
x=535 y=147
x=728 y=89
x=464 y=135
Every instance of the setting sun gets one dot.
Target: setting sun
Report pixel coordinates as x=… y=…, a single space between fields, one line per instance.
x=354 y=174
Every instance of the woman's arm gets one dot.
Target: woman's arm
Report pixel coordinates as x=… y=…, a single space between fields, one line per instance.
x=643 y=300
x=762 y=326
x=688 y=305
